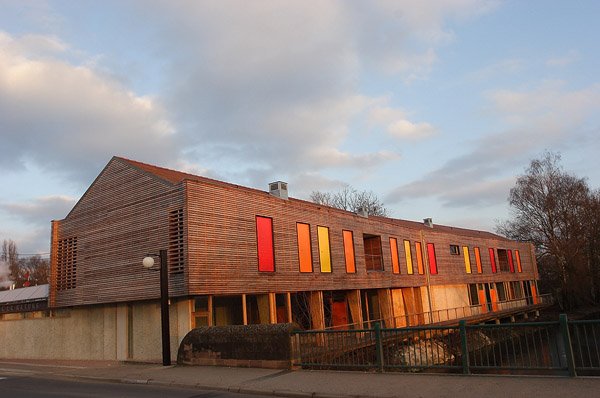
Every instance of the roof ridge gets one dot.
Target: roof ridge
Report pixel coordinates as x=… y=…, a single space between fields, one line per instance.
x=176 y=176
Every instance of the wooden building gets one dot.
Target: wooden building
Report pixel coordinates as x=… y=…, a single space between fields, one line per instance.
x=239 y=256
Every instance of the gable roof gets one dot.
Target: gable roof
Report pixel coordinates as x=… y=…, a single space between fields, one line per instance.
x=175 y=177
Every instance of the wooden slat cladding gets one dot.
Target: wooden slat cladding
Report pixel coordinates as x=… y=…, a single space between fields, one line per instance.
x=66 y=264
x=209 y=229
x=222 y=247
x=176 y=242
x=124 y=215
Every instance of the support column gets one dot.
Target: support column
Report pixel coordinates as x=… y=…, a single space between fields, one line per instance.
x=385 y=305
x=272 y=308
x=288 y=306
x=244 y=309
x=354 y=302
x=398 y=305
x=317 y=312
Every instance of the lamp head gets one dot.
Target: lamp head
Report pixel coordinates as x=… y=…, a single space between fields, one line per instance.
x=148 y=262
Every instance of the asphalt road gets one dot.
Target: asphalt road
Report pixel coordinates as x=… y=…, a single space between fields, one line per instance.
x=12 y=386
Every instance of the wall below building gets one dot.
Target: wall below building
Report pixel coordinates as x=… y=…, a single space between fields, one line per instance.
x=108 y=332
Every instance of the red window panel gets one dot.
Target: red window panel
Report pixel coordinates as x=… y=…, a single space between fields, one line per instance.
x=264 y=238
x=432 y=260
x=493 y=260
x=511 y=264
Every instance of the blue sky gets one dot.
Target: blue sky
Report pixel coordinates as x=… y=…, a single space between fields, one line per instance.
x=436 y=106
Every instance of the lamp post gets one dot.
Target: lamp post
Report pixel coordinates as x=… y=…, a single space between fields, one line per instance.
x=148 y=263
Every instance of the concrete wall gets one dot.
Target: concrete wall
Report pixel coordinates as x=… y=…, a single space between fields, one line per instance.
x=108 y=332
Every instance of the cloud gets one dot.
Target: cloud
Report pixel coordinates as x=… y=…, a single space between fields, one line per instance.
x=40 y=211
x=68 y=118
x=550 y=113
x=565 y=60
x=276 y=86
x=506 y=66
x=259 y=86
x=397 y=125
x=32 y=240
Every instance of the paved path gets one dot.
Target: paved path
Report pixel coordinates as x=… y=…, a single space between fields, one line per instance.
x=314 y=384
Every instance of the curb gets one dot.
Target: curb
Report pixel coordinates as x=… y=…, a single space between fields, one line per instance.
x=293 y=394
x=135 y=381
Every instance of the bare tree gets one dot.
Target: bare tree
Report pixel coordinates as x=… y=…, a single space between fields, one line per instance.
x=10 y=262
x=348 y=198
x=551 y=209
x=22 y=271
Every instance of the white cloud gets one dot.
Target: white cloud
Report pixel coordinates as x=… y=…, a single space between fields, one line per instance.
x=500 y=68
x=69 y=118
x=271 y=85
x=397 y=125
x=550 y=106
x=41 y=210
x=549 y=116
x=564 y=60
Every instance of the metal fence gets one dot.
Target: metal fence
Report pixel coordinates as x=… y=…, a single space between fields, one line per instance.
x=560 y=347
x=454 y=313
x=585 y=342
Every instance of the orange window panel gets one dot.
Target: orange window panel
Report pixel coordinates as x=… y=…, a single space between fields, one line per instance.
x=467 y=259
x=534 y=295
x=494 y=297
x=482 y=300
x=408 y=255
x=349 y=252
x=518 y=257
x=478 y=260
x=304 y=247
x=419 y=253
x=394 y=251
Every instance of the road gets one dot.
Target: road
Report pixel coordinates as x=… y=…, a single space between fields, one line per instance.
x=36 y=386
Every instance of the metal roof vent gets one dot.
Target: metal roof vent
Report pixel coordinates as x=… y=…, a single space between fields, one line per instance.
x=362 y=211
x=279 y=189
x=428 y=222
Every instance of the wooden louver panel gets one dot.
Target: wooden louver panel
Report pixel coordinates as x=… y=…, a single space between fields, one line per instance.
x=66 y=270
x=176 y=239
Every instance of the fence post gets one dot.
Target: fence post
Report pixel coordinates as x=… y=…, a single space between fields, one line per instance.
x=462 y=327
x=564 y=330
x=378 y=347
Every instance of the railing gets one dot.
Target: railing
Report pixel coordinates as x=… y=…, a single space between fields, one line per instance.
x=585 y=339
x=448 y=314
x=563 y=347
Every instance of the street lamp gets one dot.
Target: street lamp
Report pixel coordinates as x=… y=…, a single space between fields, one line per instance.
x=148 y=263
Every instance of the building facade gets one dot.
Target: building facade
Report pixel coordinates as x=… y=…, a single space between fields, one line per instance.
x=243 y=256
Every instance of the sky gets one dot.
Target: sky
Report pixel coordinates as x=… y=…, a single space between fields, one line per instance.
x=435 y=106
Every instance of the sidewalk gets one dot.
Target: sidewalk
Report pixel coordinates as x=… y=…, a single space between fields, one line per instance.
x=315 y=384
